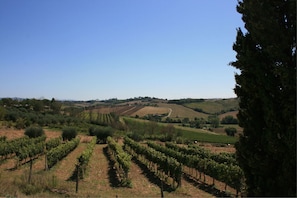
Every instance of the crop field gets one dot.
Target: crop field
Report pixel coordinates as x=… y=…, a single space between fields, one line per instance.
x=214 y=106
x=101 y=179
x=151 y=110
x=231 y=113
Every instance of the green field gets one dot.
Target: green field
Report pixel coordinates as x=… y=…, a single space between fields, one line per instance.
x=190 y=134
x=208 y=137
x=215 y=106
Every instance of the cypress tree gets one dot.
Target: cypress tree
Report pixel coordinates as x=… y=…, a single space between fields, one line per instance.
x=266 y=88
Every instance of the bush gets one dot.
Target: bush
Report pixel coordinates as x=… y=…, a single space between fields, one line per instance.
x=230 y=131
x=229 y=120
x=101 y=133
x=33 y=132
x=69 y=133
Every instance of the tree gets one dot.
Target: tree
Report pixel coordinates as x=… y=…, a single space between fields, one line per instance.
x=266 y=88
x=33 y=132
x=101 y=133
x=230 y=131
x=229 y=119
x=69 y=133
x=55 y=106
x=214 y=121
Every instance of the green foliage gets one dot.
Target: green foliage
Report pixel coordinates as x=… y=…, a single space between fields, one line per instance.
x=3 y=138
x=222 y=167
x=69 y=133
x=142 y=130
x=101 y=133
x=33 y=132
x=151 y=130
x=52 y=143
x=168 y=165
x=229 y=119
x=266 y=87
x=214 y=106
x=122 y=161
x=84 y=158
x=230 y=131
x=61 y=151
x=214 y=121
x=24 y=113
x=10 y=147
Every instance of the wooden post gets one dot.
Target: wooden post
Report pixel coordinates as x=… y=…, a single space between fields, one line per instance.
x=30 y=172
x=77 y=177
x=162 y=194
x=45 y=163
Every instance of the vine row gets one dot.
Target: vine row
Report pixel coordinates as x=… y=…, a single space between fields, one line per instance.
x=156 y=161
x=121 y=159
x=84 y=158
x=229 y=174
x=52 y=143
x=61 y=151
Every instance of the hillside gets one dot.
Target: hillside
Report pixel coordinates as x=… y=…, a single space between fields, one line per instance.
x=212 y=106
x=174 y=109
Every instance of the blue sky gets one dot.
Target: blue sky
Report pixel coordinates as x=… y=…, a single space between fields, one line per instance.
x=101 y=49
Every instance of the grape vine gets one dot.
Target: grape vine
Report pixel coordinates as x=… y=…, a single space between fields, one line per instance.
x=61 y=151
x=156 y=161
x=84 y=158
x=121 y=159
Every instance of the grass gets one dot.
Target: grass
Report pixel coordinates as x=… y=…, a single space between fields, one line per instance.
x=192 y=134
x=179 y=111
x=213 y=106
x=208 y=137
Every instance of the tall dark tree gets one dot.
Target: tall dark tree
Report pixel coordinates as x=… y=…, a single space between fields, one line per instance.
x=266 y=88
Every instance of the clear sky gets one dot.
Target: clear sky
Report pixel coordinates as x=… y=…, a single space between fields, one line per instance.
x=101 y=49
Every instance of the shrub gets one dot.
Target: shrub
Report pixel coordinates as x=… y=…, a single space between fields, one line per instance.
x=33 y=132
x=101 y=133
x=230 y=131
x=69 y=133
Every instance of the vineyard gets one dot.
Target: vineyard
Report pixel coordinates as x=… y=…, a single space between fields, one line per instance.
x=81 y=167
x=98 y=118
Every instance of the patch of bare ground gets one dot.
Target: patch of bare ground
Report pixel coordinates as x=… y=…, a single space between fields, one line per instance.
x=218 y=149
x=11 y=133
x=64 y=169
x=96 y=183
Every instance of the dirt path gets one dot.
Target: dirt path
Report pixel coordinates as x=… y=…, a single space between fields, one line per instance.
x=97 y=182
x=64 y=169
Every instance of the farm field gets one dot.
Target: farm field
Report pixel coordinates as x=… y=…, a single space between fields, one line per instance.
x=100 y=178
x=214 y=106
x=151 y=110
x=179 y=111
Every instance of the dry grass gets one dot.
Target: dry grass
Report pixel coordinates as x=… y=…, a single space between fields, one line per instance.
x=151 y=110
x=231 y=113
x=15 y=133
x=218 y=149
x=179 y=111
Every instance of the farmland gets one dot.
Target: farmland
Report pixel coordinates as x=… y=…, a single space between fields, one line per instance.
x=141 y=151
x=100 y=179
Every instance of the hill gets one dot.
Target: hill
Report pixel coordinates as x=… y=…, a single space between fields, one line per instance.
x=174 y=109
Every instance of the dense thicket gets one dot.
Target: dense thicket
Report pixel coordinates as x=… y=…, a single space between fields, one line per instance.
x=266 y=87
